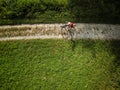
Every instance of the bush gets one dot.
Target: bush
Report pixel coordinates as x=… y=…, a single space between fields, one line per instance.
x=100 y=11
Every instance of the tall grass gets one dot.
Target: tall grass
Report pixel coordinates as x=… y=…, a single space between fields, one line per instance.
x=59 y=65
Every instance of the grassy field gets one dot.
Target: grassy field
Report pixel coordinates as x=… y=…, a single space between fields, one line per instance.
x=59 y=65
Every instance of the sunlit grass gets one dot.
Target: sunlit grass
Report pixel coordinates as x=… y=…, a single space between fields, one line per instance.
x=59 y=65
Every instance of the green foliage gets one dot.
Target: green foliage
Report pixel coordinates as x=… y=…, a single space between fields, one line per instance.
x=106 y=10
x=100 y=11
x=53 y=65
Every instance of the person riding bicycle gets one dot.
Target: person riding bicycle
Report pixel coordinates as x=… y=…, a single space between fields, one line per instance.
x=70 y=27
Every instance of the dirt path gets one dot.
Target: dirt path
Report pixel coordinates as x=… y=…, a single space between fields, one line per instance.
x=54 y=31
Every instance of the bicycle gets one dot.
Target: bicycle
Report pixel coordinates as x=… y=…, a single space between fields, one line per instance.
x=68 y=32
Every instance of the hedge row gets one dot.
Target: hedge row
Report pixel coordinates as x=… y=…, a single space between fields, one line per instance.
x=46 y=11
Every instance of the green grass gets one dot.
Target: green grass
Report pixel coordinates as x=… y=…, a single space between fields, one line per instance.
x=59 y=65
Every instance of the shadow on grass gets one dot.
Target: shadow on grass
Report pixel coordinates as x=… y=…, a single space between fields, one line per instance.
x=89 y=45
x=73 y=44
x=114 y=47
x=96 y=46
x=115 y=72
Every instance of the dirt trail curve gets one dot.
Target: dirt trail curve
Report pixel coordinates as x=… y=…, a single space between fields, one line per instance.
x=54 y=31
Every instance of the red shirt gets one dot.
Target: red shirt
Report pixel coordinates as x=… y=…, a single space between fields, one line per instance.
x=71 y=24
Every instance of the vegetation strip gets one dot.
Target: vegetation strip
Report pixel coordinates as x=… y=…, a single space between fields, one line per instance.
x=51 y=11
x=59 y=64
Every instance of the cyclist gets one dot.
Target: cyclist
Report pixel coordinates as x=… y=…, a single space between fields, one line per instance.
x=71 y=29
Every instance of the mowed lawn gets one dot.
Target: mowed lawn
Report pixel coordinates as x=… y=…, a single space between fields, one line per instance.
x=59 y=65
